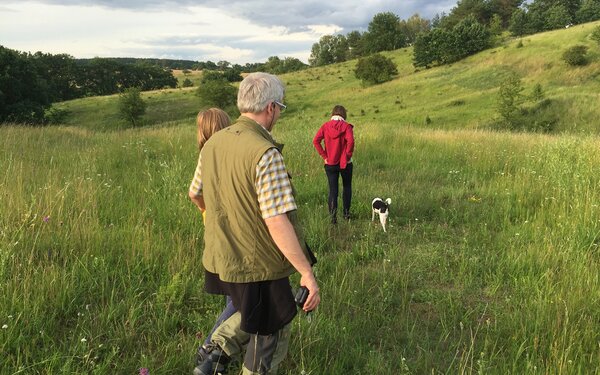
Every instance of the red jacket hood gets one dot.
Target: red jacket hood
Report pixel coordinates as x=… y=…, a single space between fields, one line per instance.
x=335 y=128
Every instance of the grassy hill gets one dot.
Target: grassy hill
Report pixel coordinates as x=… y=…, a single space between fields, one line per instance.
x=458 y=96
x=490 y=263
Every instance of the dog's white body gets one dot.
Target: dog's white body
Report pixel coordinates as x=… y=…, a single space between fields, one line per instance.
x=382 y=208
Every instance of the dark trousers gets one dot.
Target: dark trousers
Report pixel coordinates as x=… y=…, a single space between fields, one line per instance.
x=333 y=173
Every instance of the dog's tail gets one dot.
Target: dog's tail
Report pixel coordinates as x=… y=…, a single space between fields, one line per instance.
x=388 y=201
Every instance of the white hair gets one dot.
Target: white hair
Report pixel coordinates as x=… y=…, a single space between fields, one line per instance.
x=257 y=90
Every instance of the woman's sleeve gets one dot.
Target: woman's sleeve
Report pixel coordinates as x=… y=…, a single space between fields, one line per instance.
x=349 y=141
x=317 y=143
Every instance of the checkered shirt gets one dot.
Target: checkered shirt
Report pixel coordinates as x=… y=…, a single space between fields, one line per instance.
x=273 y=186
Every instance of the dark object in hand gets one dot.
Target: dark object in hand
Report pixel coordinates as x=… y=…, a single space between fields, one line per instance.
x=301 y=296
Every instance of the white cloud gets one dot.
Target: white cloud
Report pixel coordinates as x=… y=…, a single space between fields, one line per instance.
x=238 y=31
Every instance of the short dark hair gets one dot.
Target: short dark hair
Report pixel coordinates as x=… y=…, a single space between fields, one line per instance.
x=339 y=110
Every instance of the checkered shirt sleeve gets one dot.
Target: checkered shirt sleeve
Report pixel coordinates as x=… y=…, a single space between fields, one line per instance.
x=273 y=185
x=196 y=185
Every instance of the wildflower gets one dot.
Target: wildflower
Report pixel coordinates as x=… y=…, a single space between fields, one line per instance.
x=5 y=326
x=144 y=371
x=84 y=340
x=46 y=219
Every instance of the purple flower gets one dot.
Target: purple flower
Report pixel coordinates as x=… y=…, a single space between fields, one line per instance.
x=46 y=219
x=144 y=371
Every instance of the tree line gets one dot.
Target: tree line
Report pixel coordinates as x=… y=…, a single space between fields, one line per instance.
x=469 y=28
x=30 y=83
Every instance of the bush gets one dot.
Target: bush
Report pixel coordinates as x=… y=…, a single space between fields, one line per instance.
x=187 y=83
x=375 y=69
x=510 y=100
x=537 y=94
x=54 y=116
x=131 y=105
x=596 y=35
x=217 y=92
x=576 y=55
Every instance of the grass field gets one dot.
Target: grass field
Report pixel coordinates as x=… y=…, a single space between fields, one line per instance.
x=490 y=264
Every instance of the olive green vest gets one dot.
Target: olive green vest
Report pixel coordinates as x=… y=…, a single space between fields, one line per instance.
x=237 y=243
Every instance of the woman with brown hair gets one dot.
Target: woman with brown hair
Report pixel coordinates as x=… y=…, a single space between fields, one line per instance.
x=339 y=145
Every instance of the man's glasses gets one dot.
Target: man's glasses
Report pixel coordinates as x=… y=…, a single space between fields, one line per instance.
x=281 y=105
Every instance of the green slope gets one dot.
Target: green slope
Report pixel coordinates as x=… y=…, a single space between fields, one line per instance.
x=457 y=96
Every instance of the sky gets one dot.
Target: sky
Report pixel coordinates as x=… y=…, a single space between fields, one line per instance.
x=237 y=31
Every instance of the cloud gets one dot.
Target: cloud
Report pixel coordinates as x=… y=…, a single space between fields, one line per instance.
x=293 y=14
x=237 y=31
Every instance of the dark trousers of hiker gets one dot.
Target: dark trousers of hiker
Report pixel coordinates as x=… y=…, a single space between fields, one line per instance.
x=333 y=173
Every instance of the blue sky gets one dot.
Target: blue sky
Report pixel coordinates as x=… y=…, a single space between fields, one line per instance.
x=237 y=31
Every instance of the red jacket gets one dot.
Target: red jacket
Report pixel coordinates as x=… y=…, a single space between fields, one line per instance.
x=339 y=141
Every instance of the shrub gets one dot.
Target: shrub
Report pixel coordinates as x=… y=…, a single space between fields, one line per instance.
x=576 y=55
x=187 y=83
x=537 y=93
x=375 y=69
x=55 y=115
x=596 y=35
x=217 y=92
x=510 y=100
x=131 y=105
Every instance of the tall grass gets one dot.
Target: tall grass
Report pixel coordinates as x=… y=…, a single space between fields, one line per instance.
x=489 y=265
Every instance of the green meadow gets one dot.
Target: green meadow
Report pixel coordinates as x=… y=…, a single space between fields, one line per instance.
x=490 y=264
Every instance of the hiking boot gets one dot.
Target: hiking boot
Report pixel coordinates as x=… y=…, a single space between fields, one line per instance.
x=215 y=361
x=202 y=353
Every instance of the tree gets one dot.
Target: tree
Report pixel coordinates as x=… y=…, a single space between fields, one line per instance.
x=60 y=72
x=375 y=69
x=383 y=33
x=519 y=23
x=414 y=26
x=433 y=47
x=330 y=49
x=556 y=17
x=588 y=12
x=187 y=83
x=442 y=46
x=131 y=105
x=504 y=9
x=233 y=74
x=355 y=44
x=496 y=25
x=216 y=92
x=479 y=9
x=470 y=37
x=101 y=77
x=24 y=95
x=510 y=99
x=292 y=64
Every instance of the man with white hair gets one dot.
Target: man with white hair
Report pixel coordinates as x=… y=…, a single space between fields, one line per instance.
x=253 y=242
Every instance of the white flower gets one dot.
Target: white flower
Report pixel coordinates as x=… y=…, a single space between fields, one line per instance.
x=5 y=326
x=83 y=340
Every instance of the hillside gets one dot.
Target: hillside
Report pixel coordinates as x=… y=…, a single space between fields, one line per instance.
x=489 y=264
x=458 y=96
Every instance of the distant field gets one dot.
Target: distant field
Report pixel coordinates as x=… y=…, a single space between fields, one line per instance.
x=490 y=264
x=193 y=75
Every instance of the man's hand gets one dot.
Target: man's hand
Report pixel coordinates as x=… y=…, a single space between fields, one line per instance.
x=314 y=298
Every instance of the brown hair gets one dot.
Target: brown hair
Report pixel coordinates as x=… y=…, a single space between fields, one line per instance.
x=209 y=122
x=339 y=110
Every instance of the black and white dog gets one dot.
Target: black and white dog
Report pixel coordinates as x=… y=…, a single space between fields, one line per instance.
x=382 y=208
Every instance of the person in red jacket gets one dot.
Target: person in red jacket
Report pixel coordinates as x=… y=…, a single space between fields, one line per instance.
x=337 y=154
